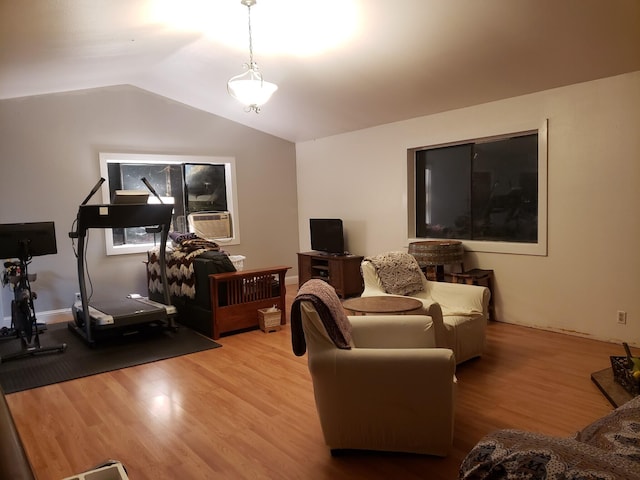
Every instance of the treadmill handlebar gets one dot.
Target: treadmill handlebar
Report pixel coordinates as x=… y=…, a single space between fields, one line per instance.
x=93 y=191
x=151 y=189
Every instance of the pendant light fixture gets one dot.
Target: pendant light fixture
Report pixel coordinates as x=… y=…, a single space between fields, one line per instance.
x=249 y=88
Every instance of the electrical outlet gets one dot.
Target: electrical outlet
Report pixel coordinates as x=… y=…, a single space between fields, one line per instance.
x=622 y=317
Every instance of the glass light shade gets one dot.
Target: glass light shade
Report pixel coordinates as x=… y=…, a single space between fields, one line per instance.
x=250 y=89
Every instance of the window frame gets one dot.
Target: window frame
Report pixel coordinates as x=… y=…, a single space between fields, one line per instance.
x=133 y=158
x=538 y=248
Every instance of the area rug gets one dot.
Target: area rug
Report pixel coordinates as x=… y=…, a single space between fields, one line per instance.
x=81 y=360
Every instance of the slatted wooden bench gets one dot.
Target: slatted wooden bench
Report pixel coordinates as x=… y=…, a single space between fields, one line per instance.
x=237 y=296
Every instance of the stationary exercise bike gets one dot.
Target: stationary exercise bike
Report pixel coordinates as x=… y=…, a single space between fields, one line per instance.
x=15 y=242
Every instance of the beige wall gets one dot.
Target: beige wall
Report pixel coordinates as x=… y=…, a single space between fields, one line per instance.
x=593 y=262
x=49 y=149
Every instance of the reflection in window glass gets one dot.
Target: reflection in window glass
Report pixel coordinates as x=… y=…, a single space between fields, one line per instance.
x=166 y=179
x=206 y=188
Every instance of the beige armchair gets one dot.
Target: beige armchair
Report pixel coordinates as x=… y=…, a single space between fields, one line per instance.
x=459 y=312
x=389 y=389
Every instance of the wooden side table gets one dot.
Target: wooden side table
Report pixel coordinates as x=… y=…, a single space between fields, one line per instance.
x=433 y=255
x=382 y=304
x=477 y=276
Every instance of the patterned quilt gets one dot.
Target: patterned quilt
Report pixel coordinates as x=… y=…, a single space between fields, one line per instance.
x=608 y=449
x=179 y=260
x=180 y=273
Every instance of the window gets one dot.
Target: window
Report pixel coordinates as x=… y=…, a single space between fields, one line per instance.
x=489 y=193
x=193 y=184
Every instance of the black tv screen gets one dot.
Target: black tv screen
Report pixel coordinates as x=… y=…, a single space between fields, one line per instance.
x=20 y=240
x=327 y=235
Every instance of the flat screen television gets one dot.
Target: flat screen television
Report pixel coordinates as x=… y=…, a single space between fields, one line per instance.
x=21 y=240
x=327 y=235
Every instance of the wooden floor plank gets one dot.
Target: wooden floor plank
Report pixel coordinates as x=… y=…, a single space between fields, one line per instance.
x=246 y=411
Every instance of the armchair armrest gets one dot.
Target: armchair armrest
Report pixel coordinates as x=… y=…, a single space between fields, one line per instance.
x=382 y=369
x=372 y=285
x=459 y=299
x=393 y=331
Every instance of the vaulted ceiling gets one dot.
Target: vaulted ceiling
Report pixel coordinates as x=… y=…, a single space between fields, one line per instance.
x=341 y=65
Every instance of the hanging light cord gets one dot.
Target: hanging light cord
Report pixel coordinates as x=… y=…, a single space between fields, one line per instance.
x=250 y=39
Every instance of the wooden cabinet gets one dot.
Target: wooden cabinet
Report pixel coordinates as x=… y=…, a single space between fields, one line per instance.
x=342 y=272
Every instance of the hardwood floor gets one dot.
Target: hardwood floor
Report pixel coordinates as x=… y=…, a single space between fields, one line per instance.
x=246 y=410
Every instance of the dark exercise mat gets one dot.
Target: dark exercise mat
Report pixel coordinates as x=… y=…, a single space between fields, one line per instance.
x=81 y=360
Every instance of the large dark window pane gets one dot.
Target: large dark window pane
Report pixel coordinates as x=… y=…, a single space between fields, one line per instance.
x=479 y=191
x=446 y=180
x=505 y=190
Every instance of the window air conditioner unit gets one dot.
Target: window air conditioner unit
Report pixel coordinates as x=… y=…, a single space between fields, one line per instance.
x=210 y=225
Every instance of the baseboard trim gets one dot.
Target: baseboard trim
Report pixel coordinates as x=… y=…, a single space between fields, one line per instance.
x=47 y=316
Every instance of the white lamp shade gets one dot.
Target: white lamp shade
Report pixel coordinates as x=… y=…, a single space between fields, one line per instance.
x=250 y=89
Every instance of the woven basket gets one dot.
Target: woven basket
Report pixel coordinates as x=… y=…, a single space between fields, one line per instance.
x=622 y=375
x=437 y=252
x=268 y=321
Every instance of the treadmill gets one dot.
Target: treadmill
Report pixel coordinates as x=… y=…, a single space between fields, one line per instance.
x=126 y=315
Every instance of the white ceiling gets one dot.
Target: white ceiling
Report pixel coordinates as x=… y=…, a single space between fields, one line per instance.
x=383 y=60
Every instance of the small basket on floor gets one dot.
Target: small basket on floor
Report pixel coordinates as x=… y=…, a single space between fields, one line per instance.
x=269 y=319
x=623 y=375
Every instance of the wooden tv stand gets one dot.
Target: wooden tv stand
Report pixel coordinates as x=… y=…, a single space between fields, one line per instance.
x=342 y=272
